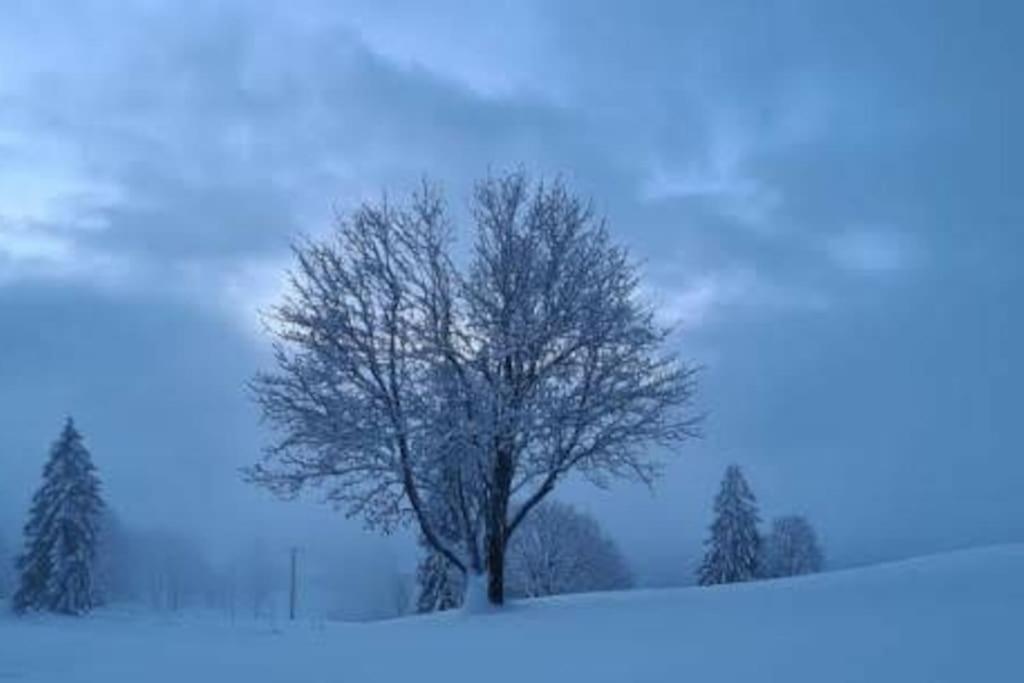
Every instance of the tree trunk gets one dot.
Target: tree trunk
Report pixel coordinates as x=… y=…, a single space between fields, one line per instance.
x=496 y=567
x=497 y=523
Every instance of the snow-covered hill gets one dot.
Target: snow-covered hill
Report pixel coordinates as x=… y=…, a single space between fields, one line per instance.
x=953 y=617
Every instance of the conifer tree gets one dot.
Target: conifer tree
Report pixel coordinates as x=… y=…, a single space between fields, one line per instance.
x=734 y=545
x=56 y=568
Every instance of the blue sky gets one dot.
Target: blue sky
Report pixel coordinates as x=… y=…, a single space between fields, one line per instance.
x=826 y=196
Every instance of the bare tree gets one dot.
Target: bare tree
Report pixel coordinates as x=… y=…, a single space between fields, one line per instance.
x=411 y=389
x=561 y=550
x=792 y=548
x=259 y=575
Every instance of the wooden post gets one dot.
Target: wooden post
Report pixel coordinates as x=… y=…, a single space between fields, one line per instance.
x=292 y=594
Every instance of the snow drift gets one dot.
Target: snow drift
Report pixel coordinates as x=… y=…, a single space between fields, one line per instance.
x=952 y=617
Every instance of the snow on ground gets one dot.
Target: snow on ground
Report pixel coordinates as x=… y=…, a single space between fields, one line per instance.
x=953 y=617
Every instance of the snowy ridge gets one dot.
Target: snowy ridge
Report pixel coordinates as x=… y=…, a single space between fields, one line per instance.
x=950 y=617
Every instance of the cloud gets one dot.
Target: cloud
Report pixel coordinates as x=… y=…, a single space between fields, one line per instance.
x=704 y=300
x=238 y=291
x=20 y=243
x=30 y=252
x=494 y=50
x=199 y=152
x=872 y=252
x=205 y=143
x=725 y=166
x=745 y=200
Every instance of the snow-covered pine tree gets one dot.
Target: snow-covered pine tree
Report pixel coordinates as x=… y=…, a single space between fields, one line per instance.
x=734 y=546
x=57 y=565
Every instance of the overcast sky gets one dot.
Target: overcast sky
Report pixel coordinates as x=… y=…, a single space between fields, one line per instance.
x=827 y=196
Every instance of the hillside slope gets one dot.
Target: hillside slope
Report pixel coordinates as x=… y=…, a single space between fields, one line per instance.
x=953 y=617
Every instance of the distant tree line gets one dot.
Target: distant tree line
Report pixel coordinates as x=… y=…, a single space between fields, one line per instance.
x=161 y=569
x=77 y=553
